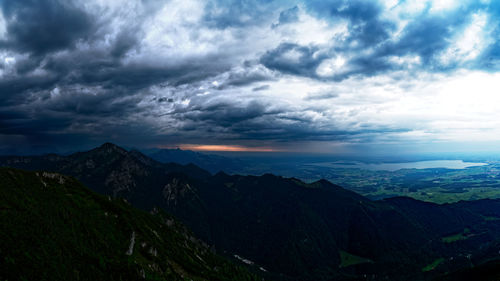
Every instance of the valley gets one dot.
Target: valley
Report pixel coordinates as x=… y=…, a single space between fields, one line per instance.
x=230 y=140
x=443 y=181
x=438 y=185
x=288 y=229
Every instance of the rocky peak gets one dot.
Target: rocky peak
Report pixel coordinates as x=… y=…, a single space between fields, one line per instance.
x=111 y=148
x=175 y=190
x=141 y=157
x=105 y=150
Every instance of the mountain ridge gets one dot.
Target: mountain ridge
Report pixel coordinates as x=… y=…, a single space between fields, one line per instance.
x=293 y=229
x=54 y=228
x=210 y=162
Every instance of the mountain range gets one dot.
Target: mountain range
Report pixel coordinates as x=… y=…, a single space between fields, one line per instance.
x=54 y=228
x=210 y=162
x=288 y=229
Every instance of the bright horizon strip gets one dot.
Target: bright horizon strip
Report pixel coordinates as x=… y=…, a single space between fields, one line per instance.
x=229 y=148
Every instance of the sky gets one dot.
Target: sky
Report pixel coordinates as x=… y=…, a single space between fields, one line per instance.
x=312 y=76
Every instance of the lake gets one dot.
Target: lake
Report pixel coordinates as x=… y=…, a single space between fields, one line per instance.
x=448 y=164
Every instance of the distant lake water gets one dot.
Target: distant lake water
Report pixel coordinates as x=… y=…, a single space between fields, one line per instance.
x=447 y=164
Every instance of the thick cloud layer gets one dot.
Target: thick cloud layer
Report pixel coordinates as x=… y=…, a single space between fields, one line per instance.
x=290 y=75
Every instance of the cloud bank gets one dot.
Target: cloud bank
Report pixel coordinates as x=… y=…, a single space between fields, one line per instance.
x=286 y=75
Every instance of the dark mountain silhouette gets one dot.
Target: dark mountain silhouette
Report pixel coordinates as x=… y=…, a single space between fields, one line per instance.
x=210 y=162
x=110 y=170
x=292 y=229
x=54 y=228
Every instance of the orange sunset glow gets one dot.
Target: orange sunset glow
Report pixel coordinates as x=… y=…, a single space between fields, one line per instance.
x=229 y=148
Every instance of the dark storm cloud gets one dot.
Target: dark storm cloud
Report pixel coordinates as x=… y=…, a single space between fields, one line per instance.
x=136 y=77
x=99 y=68
x=40 y=26
x=88 y=90
x=426 y=37
x=125 y=41
x=249 y=74
x=82 y=71
x=23 y=90
x=225 y=114
x=304 y=61
x=261 y=122
x=91 y=92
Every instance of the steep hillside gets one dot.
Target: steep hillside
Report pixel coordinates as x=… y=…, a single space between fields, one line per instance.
x=308 y=230
x=488 y=271
x=53 y=228
x=110 y=170
x=291 y=229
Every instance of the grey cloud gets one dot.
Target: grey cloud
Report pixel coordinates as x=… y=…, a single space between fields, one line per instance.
x=287 y=16
x=249 y=74
x=41 y=26
x=109 y=83
x=322 y=95
x=238 y=79
x=304 y=64
x=125 y=41
x=365 y=23
x=234 y=13
x=261 y=88
x=372 y=54
x=18 y=90
x=304 y=61
x=164 y=99
x=259 y=121
x=225 y=113
x=425 y=38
